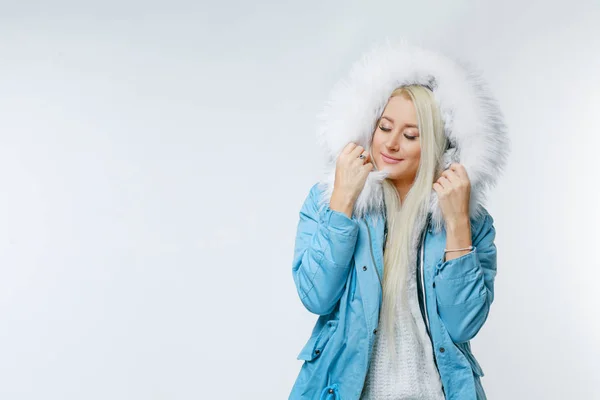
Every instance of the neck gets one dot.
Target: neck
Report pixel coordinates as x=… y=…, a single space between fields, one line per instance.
x=403 y=187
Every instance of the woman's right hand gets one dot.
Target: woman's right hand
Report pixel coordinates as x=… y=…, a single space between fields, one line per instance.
x=351 y=175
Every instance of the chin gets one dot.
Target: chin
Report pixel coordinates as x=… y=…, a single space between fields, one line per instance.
x=392 y=172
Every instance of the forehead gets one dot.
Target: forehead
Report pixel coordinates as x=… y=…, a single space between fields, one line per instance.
x=400 y=110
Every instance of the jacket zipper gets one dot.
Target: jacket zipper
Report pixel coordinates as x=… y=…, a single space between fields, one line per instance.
x=380 y=284
x=372 y=256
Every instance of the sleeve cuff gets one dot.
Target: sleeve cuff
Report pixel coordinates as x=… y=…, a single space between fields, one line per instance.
x=458 y=267
x=339 y=223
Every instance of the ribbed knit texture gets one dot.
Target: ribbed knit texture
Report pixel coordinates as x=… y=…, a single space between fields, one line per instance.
x=415 y=375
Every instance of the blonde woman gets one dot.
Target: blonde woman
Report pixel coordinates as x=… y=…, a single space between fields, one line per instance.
x=394 y=248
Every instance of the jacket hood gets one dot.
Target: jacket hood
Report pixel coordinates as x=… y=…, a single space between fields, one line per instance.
x=472 y=120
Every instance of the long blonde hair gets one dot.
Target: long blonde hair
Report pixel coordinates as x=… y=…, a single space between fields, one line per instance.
x=402 y=216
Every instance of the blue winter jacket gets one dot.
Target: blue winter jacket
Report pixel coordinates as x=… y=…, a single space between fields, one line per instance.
x=337 y=267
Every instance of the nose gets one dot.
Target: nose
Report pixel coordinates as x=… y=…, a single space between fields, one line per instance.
x=393 y=144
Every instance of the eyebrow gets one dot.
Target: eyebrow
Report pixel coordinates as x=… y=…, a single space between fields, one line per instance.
x=392 y=121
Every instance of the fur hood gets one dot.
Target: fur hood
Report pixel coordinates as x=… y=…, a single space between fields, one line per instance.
x=472 y=120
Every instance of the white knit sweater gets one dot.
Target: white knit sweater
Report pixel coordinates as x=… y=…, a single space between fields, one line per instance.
x=416 y=375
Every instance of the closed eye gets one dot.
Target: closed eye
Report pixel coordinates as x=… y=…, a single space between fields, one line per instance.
x=405 y=135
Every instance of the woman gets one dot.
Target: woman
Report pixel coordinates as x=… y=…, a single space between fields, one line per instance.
x=394 y=249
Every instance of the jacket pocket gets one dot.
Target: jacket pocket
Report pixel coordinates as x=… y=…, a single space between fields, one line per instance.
x=316 y=344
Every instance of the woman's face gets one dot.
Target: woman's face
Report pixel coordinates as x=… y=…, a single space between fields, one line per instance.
x=397 y=136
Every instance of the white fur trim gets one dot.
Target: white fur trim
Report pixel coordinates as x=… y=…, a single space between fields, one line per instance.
x=472 y=120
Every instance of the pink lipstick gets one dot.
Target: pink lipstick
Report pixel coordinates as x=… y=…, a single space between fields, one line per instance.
x=390 y=160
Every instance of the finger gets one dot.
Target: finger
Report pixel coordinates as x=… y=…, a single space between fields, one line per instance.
x=349 y=148
x=463 y=172
x=458 y=169
x=451 y=175
x=357 y=151
x=444 y=182
x=457 y=176
x=366 y=159
x=359 y=162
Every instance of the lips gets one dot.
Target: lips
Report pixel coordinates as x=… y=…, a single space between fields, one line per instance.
x=390 y=160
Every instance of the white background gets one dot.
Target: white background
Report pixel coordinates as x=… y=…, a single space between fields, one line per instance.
x=154 y=157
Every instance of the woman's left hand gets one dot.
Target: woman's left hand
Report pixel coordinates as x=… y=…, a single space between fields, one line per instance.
x=454 y=192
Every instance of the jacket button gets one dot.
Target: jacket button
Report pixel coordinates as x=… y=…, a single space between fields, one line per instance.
x=365 y=268
x=330 y=390
x=374 y=331
x=317 y=351
x=433 y=284
x=442 y=349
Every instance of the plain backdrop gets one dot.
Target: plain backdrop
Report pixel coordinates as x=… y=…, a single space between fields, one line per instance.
x=154 y=157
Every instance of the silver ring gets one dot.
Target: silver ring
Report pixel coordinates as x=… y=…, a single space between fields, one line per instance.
x=362 y=156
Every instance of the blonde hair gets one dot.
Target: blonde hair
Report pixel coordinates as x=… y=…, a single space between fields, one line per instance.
x=402 y=216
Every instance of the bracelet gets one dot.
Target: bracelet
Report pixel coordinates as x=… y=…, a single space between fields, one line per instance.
x=466 y=248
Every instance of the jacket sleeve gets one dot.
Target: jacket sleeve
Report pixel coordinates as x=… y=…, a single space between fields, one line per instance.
x=464 y=286
x=324 y=248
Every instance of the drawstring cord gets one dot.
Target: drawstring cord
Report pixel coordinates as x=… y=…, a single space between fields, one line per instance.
x=328 y=390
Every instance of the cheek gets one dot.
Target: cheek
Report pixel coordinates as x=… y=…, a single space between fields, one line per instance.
x=415 y=150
